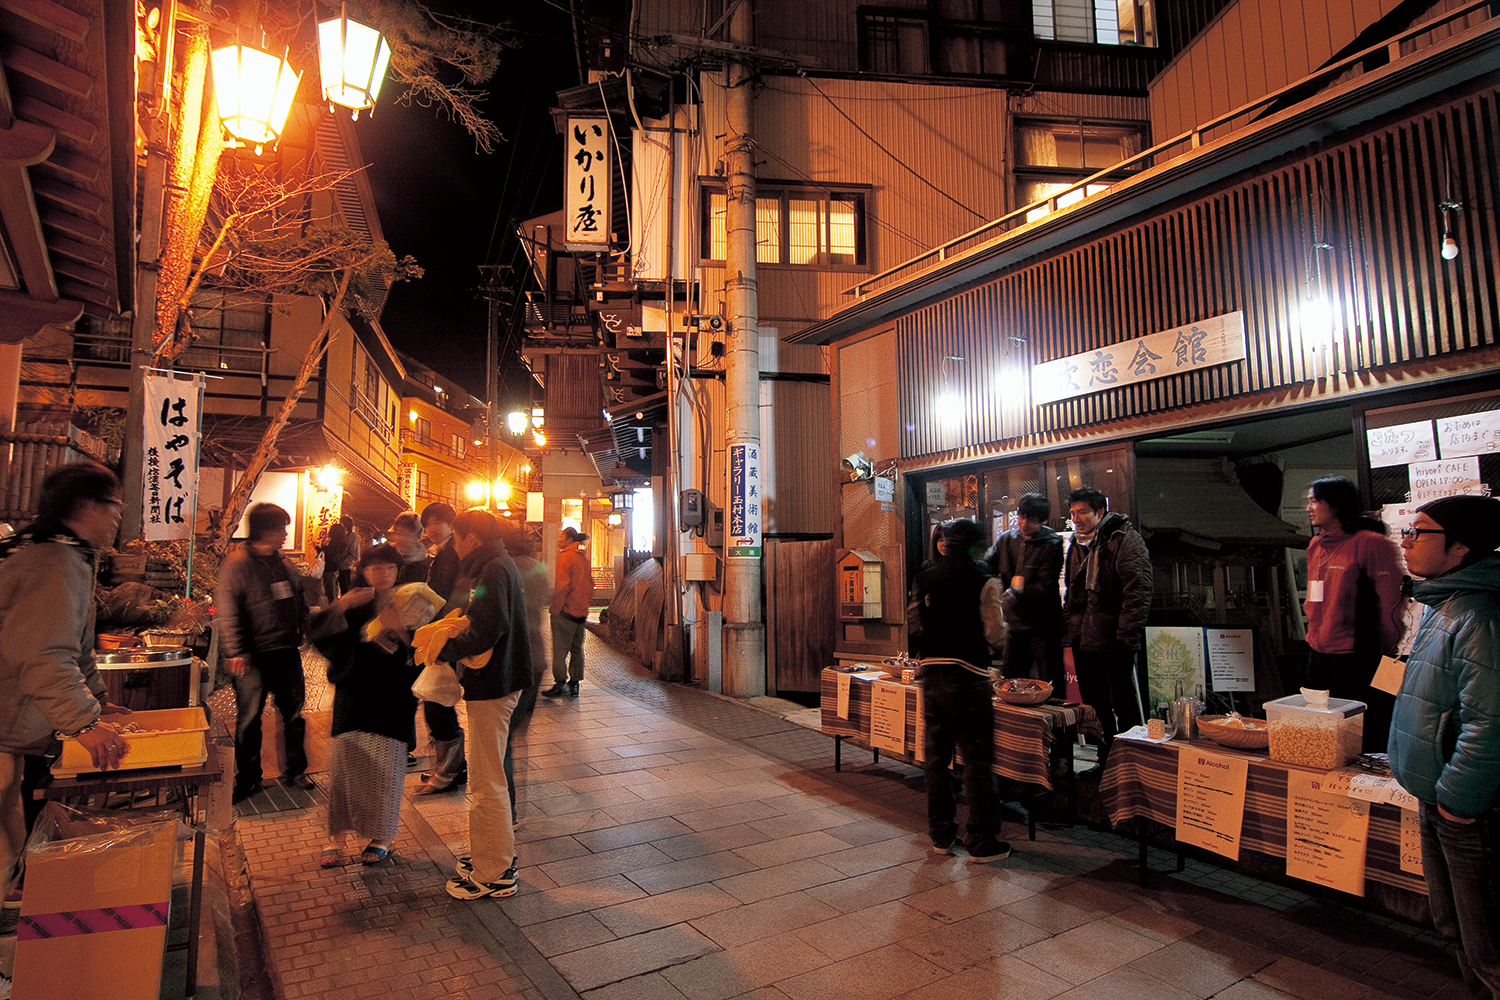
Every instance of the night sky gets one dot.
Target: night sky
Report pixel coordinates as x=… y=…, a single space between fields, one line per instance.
x=455 y=209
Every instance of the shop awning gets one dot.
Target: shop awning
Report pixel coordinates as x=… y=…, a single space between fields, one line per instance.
x=1201 y=501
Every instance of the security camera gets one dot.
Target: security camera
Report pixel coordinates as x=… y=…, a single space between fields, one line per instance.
x=859 y=466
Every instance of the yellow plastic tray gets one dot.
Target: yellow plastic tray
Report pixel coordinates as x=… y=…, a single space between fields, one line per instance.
x=177 y=736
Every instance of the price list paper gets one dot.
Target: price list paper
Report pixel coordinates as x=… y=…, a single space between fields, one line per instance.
x=1326 y=831
x=888 y=717
x=1211 y=800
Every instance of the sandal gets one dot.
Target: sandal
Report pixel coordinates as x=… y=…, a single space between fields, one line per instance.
x=374 y=855
x=329 y=858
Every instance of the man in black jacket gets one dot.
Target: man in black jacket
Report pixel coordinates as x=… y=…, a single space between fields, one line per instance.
x=1104 y=614
x=1027 y=560
x=957 y=711
x=449 y=766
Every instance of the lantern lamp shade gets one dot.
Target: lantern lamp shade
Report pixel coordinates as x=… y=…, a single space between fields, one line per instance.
x=353 y=58
x=255 y=91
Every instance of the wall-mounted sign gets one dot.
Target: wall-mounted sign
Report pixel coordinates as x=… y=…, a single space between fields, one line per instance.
x=1402 y=444
x=1212 y=341
x=1445 y=477
x=1469 y=434
x=744 y=502
x=586 y=185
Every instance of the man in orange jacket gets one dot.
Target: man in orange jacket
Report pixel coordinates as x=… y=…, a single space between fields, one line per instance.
x=571 y=594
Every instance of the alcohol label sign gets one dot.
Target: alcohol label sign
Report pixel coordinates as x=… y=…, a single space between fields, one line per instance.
x=1213 y=341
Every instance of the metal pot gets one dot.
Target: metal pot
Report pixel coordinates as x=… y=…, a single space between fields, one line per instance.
x=148 y=678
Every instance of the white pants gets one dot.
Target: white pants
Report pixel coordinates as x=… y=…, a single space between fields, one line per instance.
x=492 y=836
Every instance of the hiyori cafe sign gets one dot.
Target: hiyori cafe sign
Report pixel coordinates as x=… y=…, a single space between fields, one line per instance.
x=1209 y=342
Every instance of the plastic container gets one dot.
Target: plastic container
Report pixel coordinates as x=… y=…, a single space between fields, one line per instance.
x=173 y=737
x=1305 y=734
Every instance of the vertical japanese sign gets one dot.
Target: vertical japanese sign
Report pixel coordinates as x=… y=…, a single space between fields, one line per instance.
x=170 y=479
x=323 y=509
x=586 y=188
x=744 y=502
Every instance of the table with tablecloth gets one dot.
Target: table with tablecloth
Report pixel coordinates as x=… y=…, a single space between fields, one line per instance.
x=1140 y=782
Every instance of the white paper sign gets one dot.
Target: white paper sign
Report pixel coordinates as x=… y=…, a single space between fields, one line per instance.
x=1470 y=434
x=1411 y=842
x=888 y=717
x=1445 y=477
x=1402 y=444
x=1231 y=658
x=1374 y=788
x=843 y=683
x=885 y=490
x=936 y=495
x=1211 y=800
x=1326 y=831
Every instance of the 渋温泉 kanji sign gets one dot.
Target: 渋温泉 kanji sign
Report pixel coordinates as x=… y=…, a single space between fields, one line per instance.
x=586 y=188
x=744 y=502
x=1208 y=342
x=170 y=475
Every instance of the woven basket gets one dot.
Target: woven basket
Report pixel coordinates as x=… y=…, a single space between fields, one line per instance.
x=1029 y=697
x=1213 y=727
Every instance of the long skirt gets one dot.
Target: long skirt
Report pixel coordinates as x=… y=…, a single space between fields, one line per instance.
x=368 y=774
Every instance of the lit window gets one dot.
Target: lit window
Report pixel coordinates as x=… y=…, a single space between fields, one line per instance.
x=807 y=227
x=1052 y=155
x=1096 y=22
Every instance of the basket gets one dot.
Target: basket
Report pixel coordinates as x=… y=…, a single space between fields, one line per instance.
x=1029 y=696
x=1213 y=727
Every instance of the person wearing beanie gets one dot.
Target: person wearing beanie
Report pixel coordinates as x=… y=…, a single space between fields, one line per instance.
x=1354 y=607
x=1445 y=733
x=957 y=712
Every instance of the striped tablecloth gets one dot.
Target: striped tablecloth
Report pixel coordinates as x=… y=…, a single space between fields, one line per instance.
x=1140 y=780
x=1023 y=734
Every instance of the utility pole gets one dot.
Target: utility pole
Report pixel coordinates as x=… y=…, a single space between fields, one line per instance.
x=744 y=628
x=491 y=293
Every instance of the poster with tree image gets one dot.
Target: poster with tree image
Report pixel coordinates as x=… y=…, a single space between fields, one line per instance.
x=1173 y=655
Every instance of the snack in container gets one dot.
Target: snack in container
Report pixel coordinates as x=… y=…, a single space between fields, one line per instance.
x=1023 y=691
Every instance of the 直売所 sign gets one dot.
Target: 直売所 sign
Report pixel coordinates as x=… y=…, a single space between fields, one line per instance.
x=586 y=188
x=744 y=502
x=1209 y=342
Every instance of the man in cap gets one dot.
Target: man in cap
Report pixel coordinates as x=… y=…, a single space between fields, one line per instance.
x=957 y=712
x=1445 y=733
x=572 y=592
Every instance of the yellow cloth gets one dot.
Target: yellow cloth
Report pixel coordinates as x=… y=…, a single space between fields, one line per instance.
x=429 y=640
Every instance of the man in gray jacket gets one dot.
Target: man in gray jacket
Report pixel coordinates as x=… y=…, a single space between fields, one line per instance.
x=1445 y=732
x=50 y=689
x=1104 y=614
x=261 y=615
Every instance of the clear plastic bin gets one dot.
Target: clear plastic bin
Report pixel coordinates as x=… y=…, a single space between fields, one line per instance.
x=1314 y=736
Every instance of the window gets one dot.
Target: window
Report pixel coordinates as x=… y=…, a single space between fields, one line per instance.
x=802 y=226
x=230 y=332
x=456 y=442
x=1052 y=155
x=424 y=430
x=1095 y=22
x=422 y=481
x=950 y=38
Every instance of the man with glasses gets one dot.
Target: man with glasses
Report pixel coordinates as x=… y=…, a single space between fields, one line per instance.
x=50 y=689
x=1104 y=614
x=1445 y=733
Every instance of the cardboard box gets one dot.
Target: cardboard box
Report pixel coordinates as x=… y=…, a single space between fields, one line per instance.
x=95 y=911
x=170 y=736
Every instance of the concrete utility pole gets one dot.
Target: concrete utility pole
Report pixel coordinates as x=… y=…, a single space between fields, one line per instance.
x=744 y=628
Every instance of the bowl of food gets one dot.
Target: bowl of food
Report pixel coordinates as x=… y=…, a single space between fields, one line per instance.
x=1236 y=731
x=1023 y=691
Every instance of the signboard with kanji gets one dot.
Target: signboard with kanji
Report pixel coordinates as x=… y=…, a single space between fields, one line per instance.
x=170 y=472
x=1209 y=342
x=744 y=502
x=587 y=184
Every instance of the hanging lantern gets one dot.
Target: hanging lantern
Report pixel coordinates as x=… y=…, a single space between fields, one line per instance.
x=353 y=58
x=255 y=91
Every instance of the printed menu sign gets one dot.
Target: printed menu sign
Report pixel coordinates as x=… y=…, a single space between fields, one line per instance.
x=1211 y=800
x=1326 y=831
x=1231 y=658
x=888 y=717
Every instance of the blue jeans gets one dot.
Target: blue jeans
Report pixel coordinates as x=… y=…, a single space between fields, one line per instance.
x=1463 y=891
x=957 y=713
x=277 y=672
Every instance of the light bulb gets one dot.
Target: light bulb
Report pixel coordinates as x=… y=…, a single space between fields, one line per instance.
x=1450 y=247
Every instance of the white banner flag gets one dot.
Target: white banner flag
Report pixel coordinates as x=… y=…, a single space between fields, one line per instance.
x=170 y=476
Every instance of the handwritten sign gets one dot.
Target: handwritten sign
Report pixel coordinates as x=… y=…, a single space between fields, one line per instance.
x=1326 y=831
x=1231 y=658
x=1213 y=341
x=1401 y=444
x=1374 y=788
x=888 y=717
x=1445 y=477
x=1411 y=842
x=1470 y=434
x=843 y=695
x=1211 y=800
x=586 y=185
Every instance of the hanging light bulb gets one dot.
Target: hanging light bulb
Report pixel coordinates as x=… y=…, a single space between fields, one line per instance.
x=254 y=90
x=1450 y=247
x=353 y=58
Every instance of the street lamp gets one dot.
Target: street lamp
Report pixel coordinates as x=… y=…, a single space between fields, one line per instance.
x=254 y=90
x=353 y=57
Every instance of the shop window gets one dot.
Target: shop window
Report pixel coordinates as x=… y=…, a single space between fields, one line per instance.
x=801 y=226
x=1111 y=472
x=1003 y=489
x=1095 y=22
x=1052 y=155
